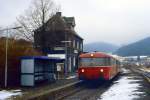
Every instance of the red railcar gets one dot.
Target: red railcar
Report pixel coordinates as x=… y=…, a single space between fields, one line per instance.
x=97 y=66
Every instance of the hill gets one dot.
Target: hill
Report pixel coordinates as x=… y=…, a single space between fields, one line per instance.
x=141 y=47
x=100 y=46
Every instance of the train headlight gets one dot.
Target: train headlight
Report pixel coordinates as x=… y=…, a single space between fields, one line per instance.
x=82 y=70
x=101 y=70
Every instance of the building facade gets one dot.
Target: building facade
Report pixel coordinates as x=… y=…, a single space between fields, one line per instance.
x=59 y=39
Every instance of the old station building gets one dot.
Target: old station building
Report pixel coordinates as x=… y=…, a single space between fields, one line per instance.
x=60 y=40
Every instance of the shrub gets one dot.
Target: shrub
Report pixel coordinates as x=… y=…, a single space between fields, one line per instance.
x=16 y=49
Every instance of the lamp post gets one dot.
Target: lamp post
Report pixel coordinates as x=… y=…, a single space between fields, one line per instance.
x=6 y=51
x=66 y=53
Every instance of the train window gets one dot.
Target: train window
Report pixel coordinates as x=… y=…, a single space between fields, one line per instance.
x=113 y=61
x=94 y=61
x=85 y=61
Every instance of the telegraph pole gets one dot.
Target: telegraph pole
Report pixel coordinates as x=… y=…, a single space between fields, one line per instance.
x=6 y=63
x=6 y=52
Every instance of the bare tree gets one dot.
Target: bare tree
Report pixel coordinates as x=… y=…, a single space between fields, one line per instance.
x=36 y=16
x=2 y=32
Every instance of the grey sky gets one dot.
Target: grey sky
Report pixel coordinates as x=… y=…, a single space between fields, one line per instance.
x=10 y=9
x=114 y=21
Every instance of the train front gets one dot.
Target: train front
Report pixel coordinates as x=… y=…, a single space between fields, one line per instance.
x=94 y=66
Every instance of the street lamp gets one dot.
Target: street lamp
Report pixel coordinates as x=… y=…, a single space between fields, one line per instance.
x=66 y=59
x=6 y=51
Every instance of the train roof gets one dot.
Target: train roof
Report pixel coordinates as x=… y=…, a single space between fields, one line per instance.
x=95 y=55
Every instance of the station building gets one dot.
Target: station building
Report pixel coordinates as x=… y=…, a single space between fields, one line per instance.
x=58 y=38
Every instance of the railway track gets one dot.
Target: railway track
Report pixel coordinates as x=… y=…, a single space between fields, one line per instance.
x=75 y=91
x=127 y=79
x=145 y=74
x=82 y=90
x=90 y=90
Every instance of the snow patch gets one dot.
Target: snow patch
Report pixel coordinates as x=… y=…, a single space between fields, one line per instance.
x=125 y=70
x=71 y=77
x=4 y=94
x=123 y=89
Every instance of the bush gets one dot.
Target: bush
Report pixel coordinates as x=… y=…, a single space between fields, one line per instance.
x=16 y=49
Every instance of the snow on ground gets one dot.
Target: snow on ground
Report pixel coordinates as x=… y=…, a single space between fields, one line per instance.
x=125 y=70
x=125 y=88
x=4 y=94
x=70 y=77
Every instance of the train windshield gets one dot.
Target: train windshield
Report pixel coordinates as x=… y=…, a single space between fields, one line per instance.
x=95 y=62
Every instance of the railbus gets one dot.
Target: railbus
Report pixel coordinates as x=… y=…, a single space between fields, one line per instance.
x=97 y=66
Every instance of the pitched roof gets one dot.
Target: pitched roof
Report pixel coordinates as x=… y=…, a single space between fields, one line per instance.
x=65 y=21
x=70 y=20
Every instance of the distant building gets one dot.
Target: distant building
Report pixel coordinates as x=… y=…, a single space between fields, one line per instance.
x=59 y=39
x=138 y=60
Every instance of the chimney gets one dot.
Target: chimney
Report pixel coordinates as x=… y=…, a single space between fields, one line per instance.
x=58 y=13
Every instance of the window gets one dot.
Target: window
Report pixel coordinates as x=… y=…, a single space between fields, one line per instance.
x=94 y=61
x=74 y=61
x=77 y=45
x=70 y=41
x=80 y=46
x=113 y=61
x=74 y=44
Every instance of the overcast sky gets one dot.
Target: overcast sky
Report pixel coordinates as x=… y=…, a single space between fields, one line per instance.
x=113 y=21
